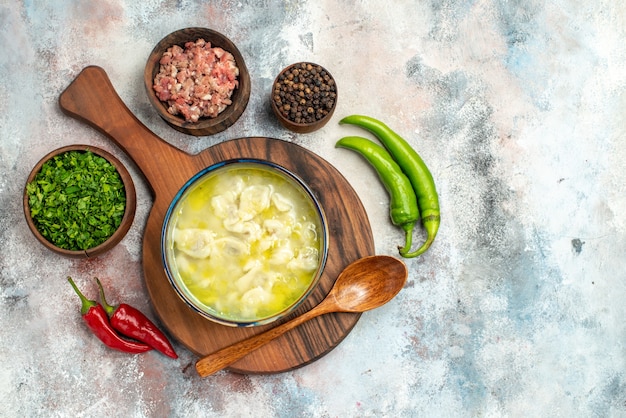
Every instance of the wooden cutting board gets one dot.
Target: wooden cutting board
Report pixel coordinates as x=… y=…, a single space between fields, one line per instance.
x=92 y=99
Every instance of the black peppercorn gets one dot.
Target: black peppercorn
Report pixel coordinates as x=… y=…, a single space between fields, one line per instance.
x=304 y=93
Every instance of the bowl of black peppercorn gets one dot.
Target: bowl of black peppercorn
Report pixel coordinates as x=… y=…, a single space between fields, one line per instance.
x=304 y=97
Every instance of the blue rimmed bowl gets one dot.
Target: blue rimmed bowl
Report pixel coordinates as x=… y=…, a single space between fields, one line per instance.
x=244 y=242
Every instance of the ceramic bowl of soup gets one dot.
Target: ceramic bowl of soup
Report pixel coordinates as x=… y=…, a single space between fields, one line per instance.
x=244 y=242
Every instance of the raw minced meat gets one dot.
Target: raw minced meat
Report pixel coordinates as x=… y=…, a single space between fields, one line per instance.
x=197 y=81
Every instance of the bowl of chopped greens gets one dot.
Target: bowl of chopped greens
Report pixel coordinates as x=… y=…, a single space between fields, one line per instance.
x=79 y=201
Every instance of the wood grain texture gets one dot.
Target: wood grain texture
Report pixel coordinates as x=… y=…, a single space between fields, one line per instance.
x=92 y=99
x=365 y=284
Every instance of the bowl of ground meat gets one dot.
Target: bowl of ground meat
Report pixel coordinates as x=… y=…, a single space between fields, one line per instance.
x=197 y=81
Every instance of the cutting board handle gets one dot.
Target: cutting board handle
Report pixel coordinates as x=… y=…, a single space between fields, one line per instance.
x=92 y=99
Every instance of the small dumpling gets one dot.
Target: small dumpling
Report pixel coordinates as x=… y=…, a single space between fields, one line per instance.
x=230 y=246
x=184 y=264
x=194 y=242
x=307 y=259
x=234 y=184
x=253 y=277
x=277 y=229
x=282 y=255
x=253 y=299
x=253 y=201
x=281 y=203
x=225 y=205
x=266 y=243
x=249 y=230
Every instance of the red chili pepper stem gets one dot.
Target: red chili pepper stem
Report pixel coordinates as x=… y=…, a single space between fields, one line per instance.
x=133 y=323
x=110 y=309
x=86 y=303
x=98 y=322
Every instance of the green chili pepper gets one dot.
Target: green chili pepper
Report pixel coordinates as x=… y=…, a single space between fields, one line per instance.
x=415 y=169
x=402 y=207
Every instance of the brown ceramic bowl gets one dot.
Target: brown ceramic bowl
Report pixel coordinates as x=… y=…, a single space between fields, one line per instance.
x=127 y=219
x=314 y=109
x=205 y=125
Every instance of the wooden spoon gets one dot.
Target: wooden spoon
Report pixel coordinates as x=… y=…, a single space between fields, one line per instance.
x=365 y=284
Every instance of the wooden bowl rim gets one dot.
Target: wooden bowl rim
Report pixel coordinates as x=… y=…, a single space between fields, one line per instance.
x=129 y=212
x=302 y=127
x=240 y=97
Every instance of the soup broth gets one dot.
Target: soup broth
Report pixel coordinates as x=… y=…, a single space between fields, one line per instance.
x=246 y=242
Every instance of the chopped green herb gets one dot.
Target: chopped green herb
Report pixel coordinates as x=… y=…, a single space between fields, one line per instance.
x=77 y=200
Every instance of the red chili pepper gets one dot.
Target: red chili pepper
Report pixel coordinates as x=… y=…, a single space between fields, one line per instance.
x=132 y=323
x=97 y=320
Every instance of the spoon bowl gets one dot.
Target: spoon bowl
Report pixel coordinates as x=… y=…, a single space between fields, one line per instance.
x=363 y=285
x=361 y=288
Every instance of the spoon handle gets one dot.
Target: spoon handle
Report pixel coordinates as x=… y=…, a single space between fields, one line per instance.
x=228 y=355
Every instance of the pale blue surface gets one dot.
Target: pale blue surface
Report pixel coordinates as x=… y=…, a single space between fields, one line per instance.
x=519 y=109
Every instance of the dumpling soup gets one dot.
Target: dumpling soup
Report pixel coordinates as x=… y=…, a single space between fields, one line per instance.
x=244 y=242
